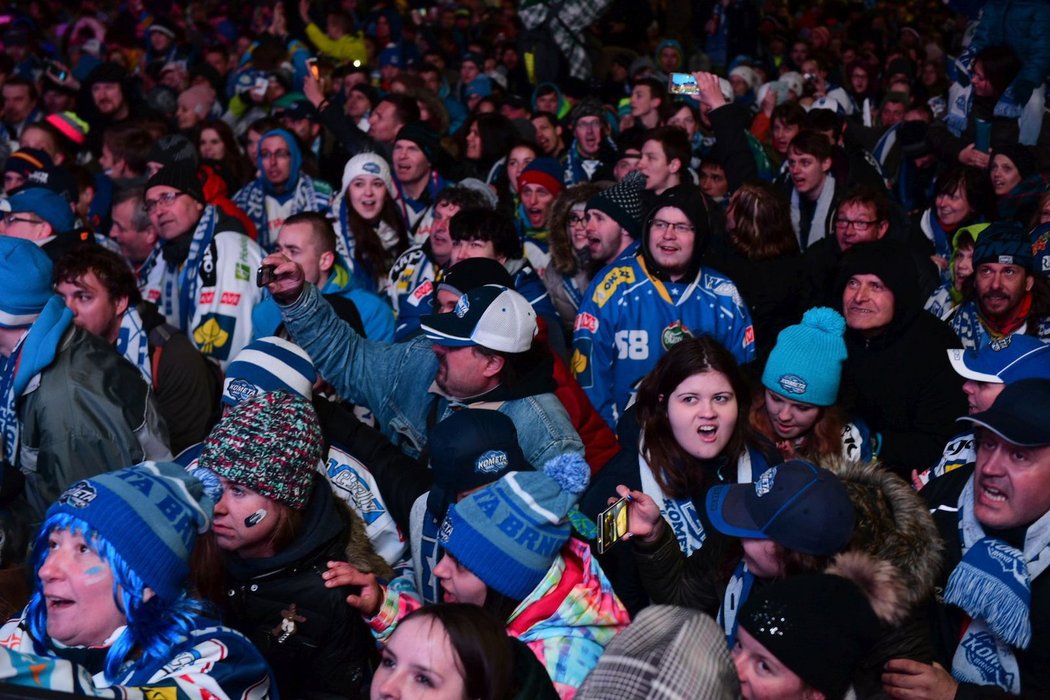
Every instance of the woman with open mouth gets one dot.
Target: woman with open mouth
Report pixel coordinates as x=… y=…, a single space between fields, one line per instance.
x=691 y=417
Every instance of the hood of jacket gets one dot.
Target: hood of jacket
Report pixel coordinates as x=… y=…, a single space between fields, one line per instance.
x=690 y=201
x=42 y=342
x=574 y=601
x=893 y=524
x=293 y=174
x=890 y=261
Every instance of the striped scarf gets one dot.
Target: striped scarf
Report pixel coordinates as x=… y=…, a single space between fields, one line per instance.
x=252 y=200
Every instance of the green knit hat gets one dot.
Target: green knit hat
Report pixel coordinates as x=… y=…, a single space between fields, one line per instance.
x=270 y=443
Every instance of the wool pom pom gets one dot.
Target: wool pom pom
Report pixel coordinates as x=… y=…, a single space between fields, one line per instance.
x=825 y=319
x=570 y=470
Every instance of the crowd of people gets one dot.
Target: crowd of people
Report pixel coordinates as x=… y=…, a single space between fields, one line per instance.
x=539 y=350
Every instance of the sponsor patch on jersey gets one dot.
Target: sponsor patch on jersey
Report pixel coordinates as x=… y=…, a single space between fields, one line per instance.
x=613 y=279
x=749 y=336
x=586 y=322
x=230 y=299
x=674 y=334
x=212 y=336
x=207 y=297
x=421 y=292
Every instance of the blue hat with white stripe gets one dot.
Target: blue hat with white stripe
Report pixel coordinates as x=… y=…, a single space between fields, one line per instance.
x=510 y=532
x=25 y=277
x=268 y=364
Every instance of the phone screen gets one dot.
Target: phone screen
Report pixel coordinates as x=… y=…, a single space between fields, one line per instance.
x=612 y=525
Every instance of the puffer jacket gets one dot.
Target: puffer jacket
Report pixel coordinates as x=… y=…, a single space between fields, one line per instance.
x=315 y=643
x=82 y=408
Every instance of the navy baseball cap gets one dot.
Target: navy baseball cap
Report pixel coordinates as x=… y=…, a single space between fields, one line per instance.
x=1003 y=360
x=796 y=504
x=1020 y=414
x=469 y=449
x=493 y=317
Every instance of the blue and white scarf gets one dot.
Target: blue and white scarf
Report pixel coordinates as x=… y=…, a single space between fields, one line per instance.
x=252 y=199
x=133 y=342
x=737 y=591
x=992 y=584
x=8 y=407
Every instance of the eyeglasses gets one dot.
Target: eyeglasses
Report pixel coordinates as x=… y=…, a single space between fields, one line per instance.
x=10 y=218
x=276 y=155
x=859 y=225
x=577 y=219
x=659 y=225
x=167 y=199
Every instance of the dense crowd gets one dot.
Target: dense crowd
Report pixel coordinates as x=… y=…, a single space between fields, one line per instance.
x=538 y=350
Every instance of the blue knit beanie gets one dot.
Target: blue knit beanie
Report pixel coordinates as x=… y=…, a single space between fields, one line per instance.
x=25 y=277
x=806 y=363
x=268 y=364
x=150 y=513
x=510 y=532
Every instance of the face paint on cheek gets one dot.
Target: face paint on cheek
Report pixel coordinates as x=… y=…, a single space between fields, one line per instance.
x=255 y=518
x=94 y=575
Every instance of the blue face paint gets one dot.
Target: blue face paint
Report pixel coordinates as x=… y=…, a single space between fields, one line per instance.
x=255 y=518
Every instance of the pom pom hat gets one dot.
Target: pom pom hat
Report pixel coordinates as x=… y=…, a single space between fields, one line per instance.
x=510 y=532
x=806 y=363
x=150 y=513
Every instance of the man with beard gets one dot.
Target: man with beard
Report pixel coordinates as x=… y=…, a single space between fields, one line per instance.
x=480 y=355
x=1005 y=295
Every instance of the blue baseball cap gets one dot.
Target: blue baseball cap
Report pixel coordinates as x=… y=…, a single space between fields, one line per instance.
x=45 y=203
x=796 y=504
x=1003 y=360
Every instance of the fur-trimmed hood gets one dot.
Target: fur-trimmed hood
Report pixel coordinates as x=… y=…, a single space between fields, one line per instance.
x=893 y=524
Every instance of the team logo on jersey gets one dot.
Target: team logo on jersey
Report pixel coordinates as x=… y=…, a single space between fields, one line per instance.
x=212 y=336
x=674 y=334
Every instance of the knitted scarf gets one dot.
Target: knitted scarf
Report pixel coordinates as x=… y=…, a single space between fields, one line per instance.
x=818 y=227
x=992 y=584
x=133 y=342
x=252 y=199
x=8 y=409
x=737 y=591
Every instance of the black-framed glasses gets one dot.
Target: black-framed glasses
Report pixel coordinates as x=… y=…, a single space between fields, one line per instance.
x=859 y=225
x=10 y=218
x=660 y=226
x=167 y=199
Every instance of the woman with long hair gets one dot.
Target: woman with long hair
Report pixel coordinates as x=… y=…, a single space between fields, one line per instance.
x=217 y=147
x=485 y=139
x=277 y=526
x=963 y=197
x=370 y=231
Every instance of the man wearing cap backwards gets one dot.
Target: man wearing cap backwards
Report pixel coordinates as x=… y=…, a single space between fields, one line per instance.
x=993 y=634
x=281 y=189
x=987 y=371
x=61 y=417
x=44 y=217
x=415 y=272
x=204 y=283
x=642 y=304
x=467 y=358
x=1005 y=295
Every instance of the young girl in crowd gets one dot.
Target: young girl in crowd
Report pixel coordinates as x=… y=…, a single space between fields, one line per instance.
x=370 y=232
x=456 y=651
x=507 y=548
x=276 y=528
x=797 y=405
x=110 y=614
x=949 y=295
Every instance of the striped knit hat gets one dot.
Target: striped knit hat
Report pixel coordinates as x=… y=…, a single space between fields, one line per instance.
x=268 y=364
x=69 y=125
x=270 y=443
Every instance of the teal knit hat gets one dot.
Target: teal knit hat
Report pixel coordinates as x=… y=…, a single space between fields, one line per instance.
x=806 y=363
